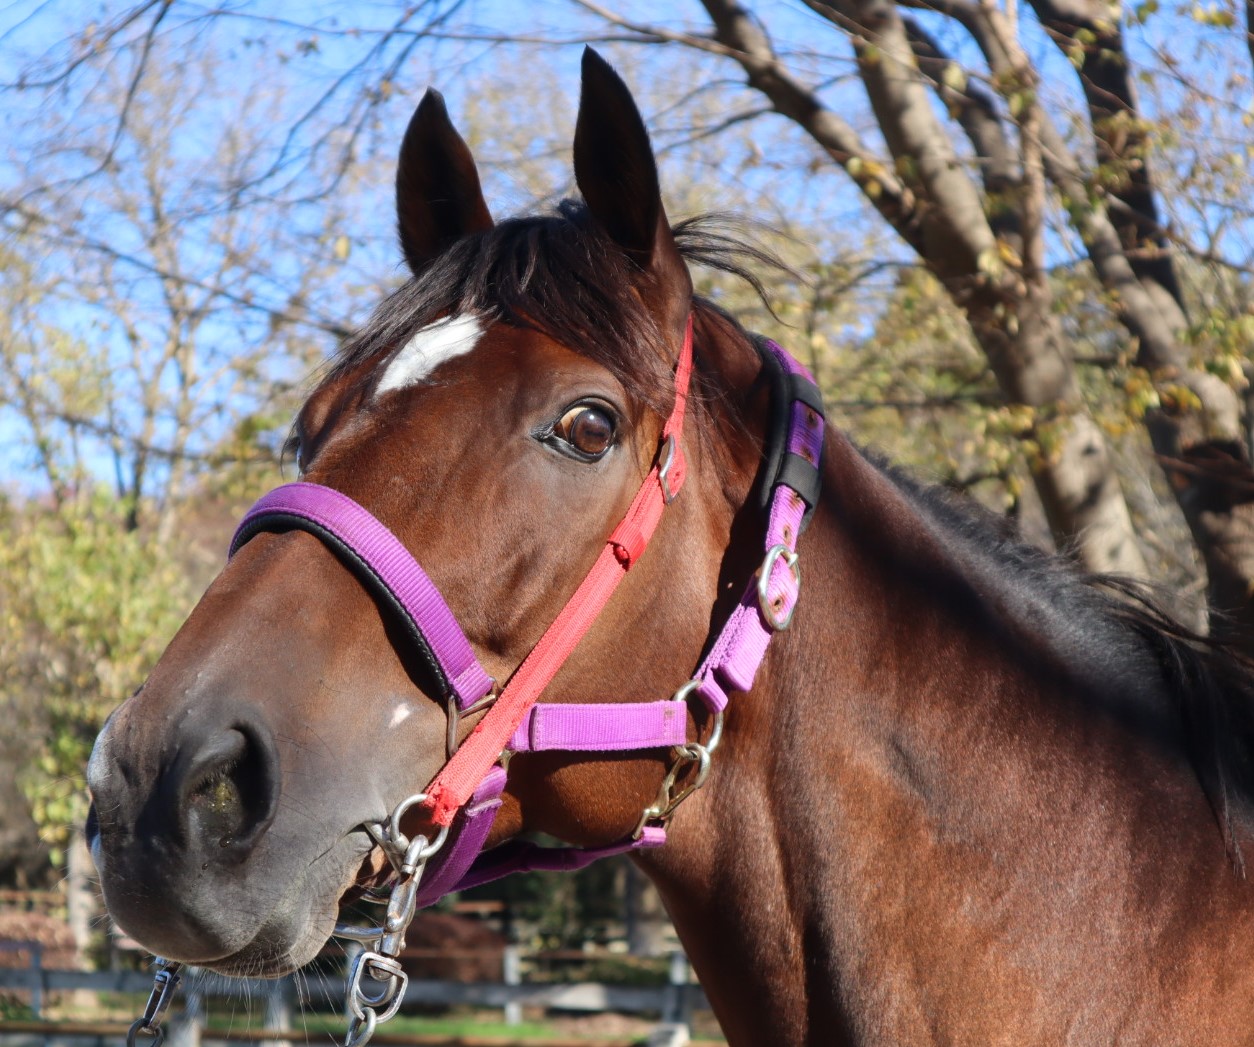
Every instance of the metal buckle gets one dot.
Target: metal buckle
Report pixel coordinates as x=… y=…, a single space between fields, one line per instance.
x=454 y=717
x=773 y=619
x=664 y=469
x=716 y=731
x=404 y=855
x=667 y=800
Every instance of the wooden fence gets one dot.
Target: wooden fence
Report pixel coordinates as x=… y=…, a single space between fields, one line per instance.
x=672 y=1004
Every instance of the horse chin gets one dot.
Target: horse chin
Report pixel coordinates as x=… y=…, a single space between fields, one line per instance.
x=300 y=927
x=290 y=930
x=260 y=961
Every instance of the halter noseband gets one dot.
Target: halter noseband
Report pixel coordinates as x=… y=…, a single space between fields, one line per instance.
x=465 y=794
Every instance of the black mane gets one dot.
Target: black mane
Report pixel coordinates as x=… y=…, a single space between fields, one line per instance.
x=1113 y=637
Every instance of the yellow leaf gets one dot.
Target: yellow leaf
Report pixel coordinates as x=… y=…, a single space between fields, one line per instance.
x=953 y=77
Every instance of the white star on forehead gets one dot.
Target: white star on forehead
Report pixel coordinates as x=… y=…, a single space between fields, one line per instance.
x=427 y=349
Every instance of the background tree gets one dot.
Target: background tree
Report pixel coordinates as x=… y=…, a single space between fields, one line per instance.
x=967 y=185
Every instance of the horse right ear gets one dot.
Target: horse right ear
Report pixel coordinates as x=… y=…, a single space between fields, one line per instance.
x=617 y=174
x=438 y=197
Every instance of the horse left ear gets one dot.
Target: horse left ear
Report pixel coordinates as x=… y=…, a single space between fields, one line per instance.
x=438 y=198
x=617 y=175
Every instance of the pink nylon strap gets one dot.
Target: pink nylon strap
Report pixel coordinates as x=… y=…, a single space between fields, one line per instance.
x=602 y=727
x=457 y=780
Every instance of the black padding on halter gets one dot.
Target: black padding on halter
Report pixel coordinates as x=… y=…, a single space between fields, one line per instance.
x=801 y=475
x=370 y=580
x=782 y=466
x=776 y=441
x=801 y=388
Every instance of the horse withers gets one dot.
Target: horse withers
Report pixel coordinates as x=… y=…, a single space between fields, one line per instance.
x=963 y=795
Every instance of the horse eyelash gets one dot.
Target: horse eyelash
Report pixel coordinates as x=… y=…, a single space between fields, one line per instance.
x=290 y=449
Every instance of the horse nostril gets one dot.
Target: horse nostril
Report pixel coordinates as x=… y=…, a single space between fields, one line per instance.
x=217 y=806
x=231 y=793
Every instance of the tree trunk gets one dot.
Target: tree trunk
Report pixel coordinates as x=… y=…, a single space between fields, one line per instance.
x=1197 y=431
x=1000 y=284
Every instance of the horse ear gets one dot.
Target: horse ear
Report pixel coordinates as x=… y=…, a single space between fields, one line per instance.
x=616 y=172
x=438 y=198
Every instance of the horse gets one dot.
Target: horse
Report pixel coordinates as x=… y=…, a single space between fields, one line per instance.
x=962 y=795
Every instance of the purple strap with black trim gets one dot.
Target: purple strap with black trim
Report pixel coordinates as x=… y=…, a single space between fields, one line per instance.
x=733 y=660
x=730 y=665
x=355 y=531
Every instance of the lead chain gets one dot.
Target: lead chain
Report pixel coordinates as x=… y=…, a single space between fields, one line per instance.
x=381 y=964
x=164 y=982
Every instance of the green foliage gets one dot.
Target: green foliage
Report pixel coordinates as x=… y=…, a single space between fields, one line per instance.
x=14 y=1010
x=88 y=605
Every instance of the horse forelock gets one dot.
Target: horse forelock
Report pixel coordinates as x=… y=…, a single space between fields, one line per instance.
x=558 y=274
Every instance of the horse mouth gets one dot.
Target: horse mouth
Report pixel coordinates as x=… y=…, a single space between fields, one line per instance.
x=292 y=936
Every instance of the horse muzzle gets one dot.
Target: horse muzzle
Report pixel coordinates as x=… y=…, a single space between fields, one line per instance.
x=178 y=831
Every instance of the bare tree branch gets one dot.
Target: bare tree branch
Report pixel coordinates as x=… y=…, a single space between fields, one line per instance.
x=1087 y=31
x=38 y=225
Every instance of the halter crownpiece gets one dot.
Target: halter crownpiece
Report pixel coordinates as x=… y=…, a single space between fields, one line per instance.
x=463 y=798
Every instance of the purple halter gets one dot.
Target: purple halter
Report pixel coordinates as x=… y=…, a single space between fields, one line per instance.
x=794 y=449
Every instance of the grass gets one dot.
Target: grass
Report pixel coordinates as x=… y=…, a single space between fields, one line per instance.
x=405 y=1024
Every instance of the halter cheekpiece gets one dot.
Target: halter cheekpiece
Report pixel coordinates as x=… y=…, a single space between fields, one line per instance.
x=463 y=798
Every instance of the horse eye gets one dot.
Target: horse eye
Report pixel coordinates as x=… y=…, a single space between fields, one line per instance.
x=587 y=428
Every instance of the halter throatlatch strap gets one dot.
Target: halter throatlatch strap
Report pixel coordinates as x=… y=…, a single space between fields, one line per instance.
x=456 y=782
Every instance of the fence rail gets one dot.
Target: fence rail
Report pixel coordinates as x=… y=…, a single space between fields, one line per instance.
x=672 y=1003
x=576 y=996
x=114 y=1031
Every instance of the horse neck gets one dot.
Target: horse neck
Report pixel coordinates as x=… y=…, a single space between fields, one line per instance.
x=893 y=730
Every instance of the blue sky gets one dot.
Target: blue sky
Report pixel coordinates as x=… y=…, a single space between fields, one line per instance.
x=517 y=104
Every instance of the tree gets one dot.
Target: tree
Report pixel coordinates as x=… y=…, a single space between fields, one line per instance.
x=998 y=167
x=150 y=362
x=967 y=185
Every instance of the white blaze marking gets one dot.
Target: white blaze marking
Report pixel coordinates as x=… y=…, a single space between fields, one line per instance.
x=400 y=714
x=427 y=349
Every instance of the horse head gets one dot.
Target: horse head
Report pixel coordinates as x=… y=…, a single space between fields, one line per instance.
x=497 y=416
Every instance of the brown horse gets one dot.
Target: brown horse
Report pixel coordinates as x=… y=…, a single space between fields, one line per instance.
x=971 y=797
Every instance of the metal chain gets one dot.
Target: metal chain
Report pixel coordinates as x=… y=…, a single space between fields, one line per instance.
x=164 y=983
x=380 y=962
